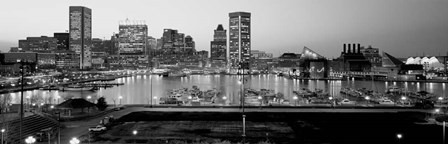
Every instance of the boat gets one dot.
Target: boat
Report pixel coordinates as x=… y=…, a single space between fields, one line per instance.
x=386 y=102
x=347 y=102
x=393 y=89
x=76 y=87
x=177 y=74
x=51 y=87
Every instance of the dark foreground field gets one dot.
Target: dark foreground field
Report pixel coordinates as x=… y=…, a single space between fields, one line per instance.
x=294 y=128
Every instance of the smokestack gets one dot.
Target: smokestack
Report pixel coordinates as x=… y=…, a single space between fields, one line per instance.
x=354 y=48
x=345 y=49
x=359 y=48
x=349 y=48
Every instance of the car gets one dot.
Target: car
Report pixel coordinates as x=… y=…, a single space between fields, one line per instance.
x=347 y=102
x=98 y=128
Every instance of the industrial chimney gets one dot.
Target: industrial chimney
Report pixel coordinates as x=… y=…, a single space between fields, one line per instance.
x=345 y=49
x=349 y=48
x=359 y=48
x=354 y=48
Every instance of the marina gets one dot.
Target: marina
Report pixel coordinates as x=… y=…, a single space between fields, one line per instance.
x=222 y=90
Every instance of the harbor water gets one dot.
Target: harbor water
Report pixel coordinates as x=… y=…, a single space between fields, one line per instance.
x=144 y=89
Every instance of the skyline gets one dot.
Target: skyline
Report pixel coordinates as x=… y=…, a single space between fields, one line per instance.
x=401 y=28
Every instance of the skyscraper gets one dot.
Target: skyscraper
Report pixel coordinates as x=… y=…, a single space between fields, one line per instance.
x=132 y=42
x=80 y=23
x=239 y=39
x=132 y=38
x=218 y=47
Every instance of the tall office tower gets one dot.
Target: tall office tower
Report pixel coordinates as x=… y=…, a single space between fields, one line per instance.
x=80 y=23
x=239 y=39
x=132 y=38
x=218 y=47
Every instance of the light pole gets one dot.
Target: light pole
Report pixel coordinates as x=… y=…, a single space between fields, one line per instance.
x=134 y=133
x=155 y=100
x=399 y=136
x=59 y=126
x=3 y=131
x=88 y=98
x=443 y=138
x=30 y=140
x=331 y=101
x=120 y=97
x=440 y=101
x=74 y=141
x=367 y=99
x=150 y=77
x=403 y=98
x=189 y=100
x=22 y=71
x=225 y=100
x=295 y=100
x=261 y=100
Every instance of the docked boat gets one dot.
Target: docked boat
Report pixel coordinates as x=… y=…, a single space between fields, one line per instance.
x=76 y=88
x=393 y=89
x=52 y=87
x=386 y=102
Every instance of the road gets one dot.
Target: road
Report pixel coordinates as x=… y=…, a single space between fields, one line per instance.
x=78 y=128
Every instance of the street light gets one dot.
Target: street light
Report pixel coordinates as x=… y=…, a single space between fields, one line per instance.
x=399 y=136
x=225 y=100
x=22 y=71
x=367 y=98
x=295 y=100
x=3 y=131
x=331 y=98
x=134 y=133
x=261 y=100
x=30 y=140
x=403 y=99
x=120 y=97
x=189 y=100
x=88 y=98
x=74 y=141
x=155 y=100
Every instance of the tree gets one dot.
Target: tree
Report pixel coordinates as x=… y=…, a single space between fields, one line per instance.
x=101 y=104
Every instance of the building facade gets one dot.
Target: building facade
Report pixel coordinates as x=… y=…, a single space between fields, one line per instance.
x=62 y=40
x=132 y=38
x=218 y=47
x=80 y=23
x=38 y=44
x=132 y=44
x=373 y=55
x=239 y=39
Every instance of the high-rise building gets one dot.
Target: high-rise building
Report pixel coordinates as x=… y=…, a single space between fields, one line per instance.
x=239 y=39
x=132 y=38
x=132 y=43
x=63 y=40
x=218 y=47
x=80 y=23
x=38 y=44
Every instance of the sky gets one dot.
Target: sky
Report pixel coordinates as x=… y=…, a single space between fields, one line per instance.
x=399 y=27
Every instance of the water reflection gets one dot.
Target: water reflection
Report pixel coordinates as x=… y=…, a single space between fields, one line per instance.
x=137 y=89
